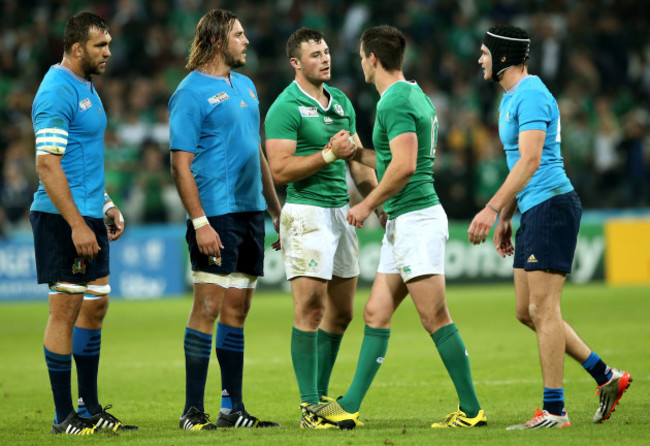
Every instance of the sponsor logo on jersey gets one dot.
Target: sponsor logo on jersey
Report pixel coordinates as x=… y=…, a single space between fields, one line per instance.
x=328 y=120
x=243 y=104
x=79 y=267
x=219 y=97
x=252 y=93
x=338 y=109
x=308 y=112
x=85 y=104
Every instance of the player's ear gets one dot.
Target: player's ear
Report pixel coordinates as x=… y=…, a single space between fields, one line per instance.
x=373 y=59
x=77 y=49
x=295 y=63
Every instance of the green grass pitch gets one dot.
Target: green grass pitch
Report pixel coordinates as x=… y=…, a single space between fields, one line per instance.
x=142 y=373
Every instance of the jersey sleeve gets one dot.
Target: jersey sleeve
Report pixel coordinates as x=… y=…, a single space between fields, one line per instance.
x=282 y=121
x=535 y=111
x=52 y=113
x=185 y=117
x=397 y=116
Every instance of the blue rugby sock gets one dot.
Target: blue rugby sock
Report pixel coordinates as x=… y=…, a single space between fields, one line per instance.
x=86 y=345
x=597 y=369
x=230 y=353
x=554 y=400
x=59 y=368
x=198 y=347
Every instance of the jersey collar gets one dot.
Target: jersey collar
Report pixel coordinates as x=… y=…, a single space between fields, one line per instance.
x=88 y=83
x=512 y=89
x=329 y=104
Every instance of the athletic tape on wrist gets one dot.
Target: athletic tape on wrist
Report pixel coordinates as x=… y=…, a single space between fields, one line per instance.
x=199 y=222
x=329 y=157
x=107 y=206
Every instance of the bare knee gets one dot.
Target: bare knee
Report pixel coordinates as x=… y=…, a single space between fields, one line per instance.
x=337 y=319
x=376 y=316
x=525 y=318
x=206 y=309
x=434 y=321
x=309 y=315
x=235 y=313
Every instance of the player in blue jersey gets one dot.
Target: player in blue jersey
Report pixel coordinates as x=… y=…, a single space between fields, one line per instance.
x=225 y=184
x=529 y=128
x=70 y=236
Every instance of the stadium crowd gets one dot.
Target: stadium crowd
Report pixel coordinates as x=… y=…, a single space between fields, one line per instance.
x=593 y=55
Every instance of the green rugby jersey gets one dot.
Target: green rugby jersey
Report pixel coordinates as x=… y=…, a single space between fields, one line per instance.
x=404 y=108
x=297 y=116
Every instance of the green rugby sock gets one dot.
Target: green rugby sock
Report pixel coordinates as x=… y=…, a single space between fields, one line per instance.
x=328 y=349
x=373 y=351
x=305 y=364
x=454 y=355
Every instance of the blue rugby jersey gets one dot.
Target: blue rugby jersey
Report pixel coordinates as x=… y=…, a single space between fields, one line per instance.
x=220 y=125
x=530 y=106
x=69 y=120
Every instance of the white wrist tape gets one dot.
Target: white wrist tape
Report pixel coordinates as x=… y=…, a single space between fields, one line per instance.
x=199 y=222
x=329 y=157
x=108 y=205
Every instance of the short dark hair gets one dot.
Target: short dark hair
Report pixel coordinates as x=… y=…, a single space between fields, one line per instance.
x=78 y=29
x=387 y=43
x=216 y=23
x=302 y=35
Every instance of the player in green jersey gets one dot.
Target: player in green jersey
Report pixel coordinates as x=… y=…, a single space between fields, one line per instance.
x=413 y=248
x=319 y=248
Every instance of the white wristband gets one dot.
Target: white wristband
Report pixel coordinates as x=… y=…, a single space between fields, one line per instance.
x=199 y=222
x=108 y=205
x=329 y=157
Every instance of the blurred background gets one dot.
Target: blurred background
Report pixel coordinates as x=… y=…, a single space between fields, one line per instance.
x=594 y=55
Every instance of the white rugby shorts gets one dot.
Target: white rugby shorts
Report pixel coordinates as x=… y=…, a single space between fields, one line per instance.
x=318 y=242
x=414 y=244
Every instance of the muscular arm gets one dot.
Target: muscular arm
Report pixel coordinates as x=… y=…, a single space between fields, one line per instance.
x=56 y=185
x=181 y=163
x=206 y=237
x=364 y=177
x=270 y=195
x=404 y=150
x=365 y=156
x=531 y=144
x=287 y=167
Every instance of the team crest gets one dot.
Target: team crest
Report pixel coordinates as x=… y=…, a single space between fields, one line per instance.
x=339 y=109
x=252 y=94
x=85 y=104
x=214 y=260
x=79 y=266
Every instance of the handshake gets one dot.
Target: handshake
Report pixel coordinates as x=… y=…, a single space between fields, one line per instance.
x=341 y=146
